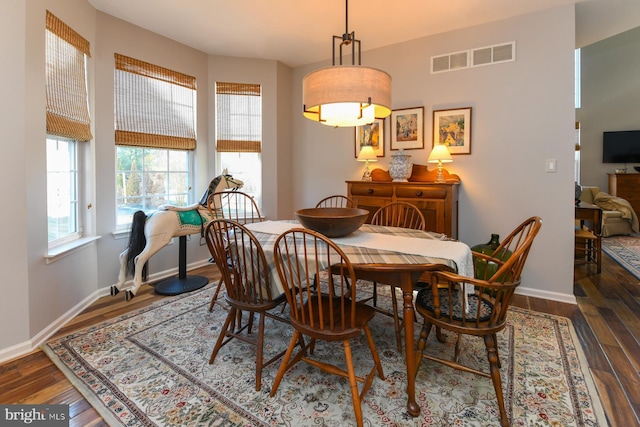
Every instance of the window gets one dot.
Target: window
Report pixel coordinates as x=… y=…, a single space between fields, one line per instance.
x=62 y=190
x=155 y=136
x=149 y=177
x=239 y=134
x=577 y=92
x=68 y=125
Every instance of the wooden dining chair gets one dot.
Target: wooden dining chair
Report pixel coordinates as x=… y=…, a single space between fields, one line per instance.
x=404 y=215
x=482 y=313
x=236 y=206
x=588 y=235
x=245 y=272
x=330 y=315
x=335 y=201
x=399 y=214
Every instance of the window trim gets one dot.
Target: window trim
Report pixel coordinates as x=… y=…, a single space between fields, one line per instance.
x=81 y=152
x=125 y=227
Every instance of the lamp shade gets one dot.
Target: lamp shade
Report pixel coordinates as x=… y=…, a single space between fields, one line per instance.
x=346 y=95
x=367 y=153
x=440 y=153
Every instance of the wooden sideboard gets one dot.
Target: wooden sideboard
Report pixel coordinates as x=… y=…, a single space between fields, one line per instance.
x=438 y=202
x=626 y=186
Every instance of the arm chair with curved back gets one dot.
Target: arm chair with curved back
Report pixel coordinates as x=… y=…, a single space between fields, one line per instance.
x=404 y=215
x=236 y=206
x=330 y=315
x=482 y=313
x=245 y=273
x=335 y=201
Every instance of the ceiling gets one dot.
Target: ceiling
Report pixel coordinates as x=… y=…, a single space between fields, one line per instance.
x=298 y=32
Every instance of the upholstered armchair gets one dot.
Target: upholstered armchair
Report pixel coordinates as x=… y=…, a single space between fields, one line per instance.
x=618 y=217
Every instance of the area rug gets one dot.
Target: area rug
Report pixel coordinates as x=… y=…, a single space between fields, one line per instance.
x=625 y=250
x=150 y=367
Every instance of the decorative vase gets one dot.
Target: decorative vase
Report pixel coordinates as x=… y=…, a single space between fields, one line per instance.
x=401 y=166
x=578 y=193
x=484 y=270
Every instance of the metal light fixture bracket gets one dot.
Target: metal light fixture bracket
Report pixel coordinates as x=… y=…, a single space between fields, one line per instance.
x=364 y=88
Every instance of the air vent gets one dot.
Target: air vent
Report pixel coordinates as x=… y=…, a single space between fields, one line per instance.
x=450 y=62
x=505 y=52
x=494 y=54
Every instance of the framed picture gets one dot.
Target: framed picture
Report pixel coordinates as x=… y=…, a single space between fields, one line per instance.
x=453 y=129
x=407 y=129
x=371 y=134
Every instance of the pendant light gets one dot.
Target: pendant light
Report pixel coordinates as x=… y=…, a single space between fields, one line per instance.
x=346 y=95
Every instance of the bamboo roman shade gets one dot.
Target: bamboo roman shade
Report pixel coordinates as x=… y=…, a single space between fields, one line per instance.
x=155 y=106
x=66 y=81
x=238 y=117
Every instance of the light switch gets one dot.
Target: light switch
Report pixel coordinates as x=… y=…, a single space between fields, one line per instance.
x=551 y=165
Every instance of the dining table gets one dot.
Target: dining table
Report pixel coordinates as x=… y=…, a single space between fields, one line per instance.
x=391 y=255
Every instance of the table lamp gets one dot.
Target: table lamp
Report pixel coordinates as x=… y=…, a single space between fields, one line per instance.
x=367 y=154
x=440 y=154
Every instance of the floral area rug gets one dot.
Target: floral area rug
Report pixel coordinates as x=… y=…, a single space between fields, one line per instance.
x=625 y=250
x=150 y=367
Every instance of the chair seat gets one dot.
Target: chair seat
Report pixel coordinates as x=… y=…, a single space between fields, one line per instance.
x=585 y=234
x=364 y=313
x=424 y=300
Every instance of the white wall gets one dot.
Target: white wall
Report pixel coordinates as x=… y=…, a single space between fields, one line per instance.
x=610 y=100
x=40 y=297
x=523 y=114
x=13 y=263
x=56 y=288
x=274 y=78
x=117 y=36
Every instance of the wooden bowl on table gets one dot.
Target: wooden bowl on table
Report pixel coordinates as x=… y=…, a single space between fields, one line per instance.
x=332 y=222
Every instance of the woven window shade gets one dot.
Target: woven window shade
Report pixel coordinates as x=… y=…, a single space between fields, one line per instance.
x=238 y=117
x=155 y=106
x=66 y=88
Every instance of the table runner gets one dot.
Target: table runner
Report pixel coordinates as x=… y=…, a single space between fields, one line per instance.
x=379 y=244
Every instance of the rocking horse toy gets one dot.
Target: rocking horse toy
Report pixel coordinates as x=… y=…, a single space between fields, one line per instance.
x=151 y=233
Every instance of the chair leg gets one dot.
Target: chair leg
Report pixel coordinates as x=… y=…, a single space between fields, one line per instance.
x=284 y=365
x=215 y=295
x=375 y=294
x=250 y=320
x=223 y=334
x=492 y=355
x=355 y=395
x=374 y=352
x=259 y=351
x=456 y=356
x=495 y=338
x=422 y=343
x=396 y=319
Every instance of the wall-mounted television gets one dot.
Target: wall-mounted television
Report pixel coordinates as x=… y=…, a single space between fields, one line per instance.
x=621 y=147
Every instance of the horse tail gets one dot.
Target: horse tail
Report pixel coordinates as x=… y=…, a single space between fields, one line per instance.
x=137 y=242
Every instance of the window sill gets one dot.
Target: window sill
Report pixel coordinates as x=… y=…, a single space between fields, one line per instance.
x=121 y=234
x=54 y=254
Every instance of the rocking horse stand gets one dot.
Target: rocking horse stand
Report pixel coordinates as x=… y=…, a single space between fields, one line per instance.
x=182 y=283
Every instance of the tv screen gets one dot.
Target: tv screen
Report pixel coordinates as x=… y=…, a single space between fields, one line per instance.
x=621 y=147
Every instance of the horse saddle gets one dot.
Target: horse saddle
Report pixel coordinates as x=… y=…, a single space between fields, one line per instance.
x=191 y=218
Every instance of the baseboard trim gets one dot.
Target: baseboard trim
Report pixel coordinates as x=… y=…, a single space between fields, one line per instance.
x=553 y=296
x=41 y=337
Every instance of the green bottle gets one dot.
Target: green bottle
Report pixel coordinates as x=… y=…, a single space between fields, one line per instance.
x=482 y=270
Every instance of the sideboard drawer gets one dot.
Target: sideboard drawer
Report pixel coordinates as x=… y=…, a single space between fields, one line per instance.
x=421 y=192
x=371 y=190
x=437 y=202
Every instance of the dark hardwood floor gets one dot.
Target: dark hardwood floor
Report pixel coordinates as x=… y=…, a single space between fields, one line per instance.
x=606 y=319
